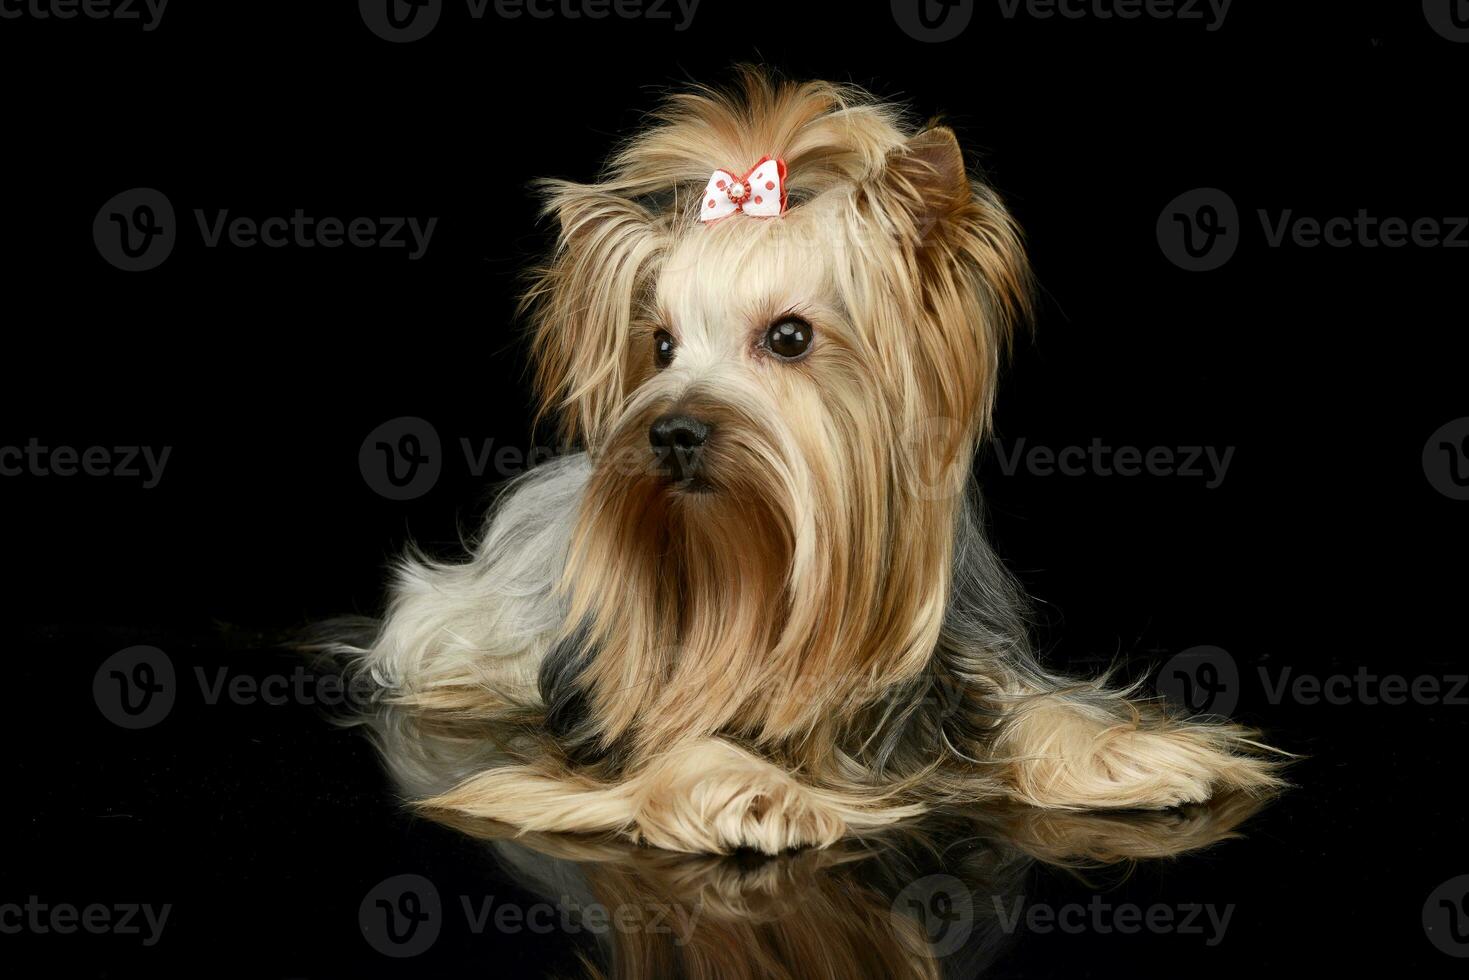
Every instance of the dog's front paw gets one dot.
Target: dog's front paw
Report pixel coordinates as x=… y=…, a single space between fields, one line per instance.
x=724 y=812
x=1079 y=763
x=769 y=818
x=722 y=800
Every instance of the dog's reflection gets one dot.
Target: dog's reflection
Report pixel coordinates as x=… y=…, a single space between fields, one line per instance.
x=924 y=899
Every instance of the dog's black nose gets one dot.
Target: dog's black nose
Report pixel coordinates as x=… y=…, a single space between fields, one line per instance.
x=678 y=441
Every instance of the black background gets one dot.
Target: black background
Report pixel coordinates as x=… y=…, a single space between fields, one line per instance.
x=1324 y=549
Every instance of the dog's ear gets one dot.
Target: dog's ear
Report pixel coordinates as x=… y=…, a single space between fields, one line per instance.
x=963 y=259
x=922 y=184
x=583 y=304
x=930 y=201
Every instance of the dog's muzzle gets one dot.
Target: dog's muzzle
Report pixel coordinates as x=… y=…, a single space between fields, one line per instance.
x=678 y=444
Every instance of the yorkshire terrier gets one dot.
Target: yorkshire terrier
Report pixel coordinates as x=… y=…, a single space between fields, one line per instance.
x=757 y=610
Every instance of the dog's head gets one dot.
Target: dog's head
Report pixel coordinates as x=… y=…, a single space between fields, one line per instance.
x=782 y=411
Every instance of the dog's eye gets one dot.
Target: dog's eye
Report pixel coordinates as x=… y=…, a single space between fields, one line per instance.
x=663 y=348
x=789 y=338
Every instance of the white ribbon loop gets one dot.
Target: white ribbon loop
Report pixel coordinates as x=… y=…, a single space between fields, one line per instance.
x=760 y=193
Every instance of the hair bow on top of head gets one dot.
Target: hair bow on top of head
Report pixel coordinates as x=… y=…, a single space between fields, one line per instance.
x=761 y=192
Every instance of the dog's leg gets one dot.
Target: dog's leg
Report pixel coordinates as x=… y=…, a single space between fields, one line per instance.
x=1089 y=748
x=706 y=796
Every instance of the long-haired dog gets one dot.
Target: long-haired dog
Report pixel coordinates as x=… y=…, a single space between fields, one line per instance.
x=757 y=610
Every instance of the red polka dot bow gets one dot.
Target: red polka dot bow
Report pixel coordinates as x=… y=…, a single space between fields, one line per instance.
x=761 y=192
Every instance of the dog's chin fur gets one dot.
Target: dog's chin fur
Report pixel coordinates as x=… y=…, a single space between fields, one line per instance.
x=814 y=638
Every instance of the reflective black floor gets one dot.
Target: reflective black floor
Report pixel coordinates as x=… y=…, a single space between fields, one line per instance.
x=181 y=451
x=245 y=831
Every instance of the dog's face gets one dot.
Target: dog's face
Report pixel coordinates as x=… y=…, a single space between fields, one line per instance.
x=781 y=413
x=753 y=396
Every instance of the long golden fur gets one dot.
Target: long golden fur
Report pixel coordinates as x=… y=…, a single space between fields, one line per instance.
x=822 y=642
